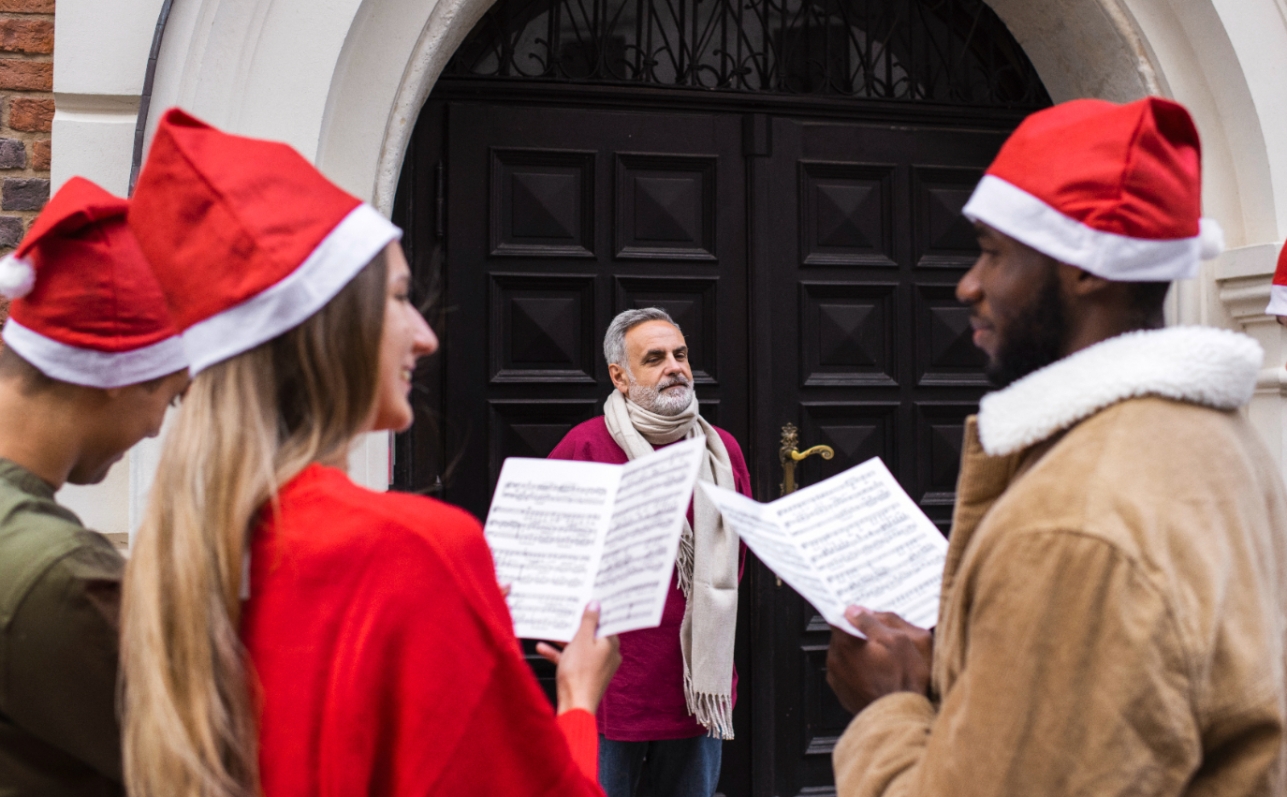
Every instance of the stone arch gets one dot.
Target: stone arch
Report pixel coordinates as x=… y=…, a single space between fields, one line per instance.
x=1080 y=47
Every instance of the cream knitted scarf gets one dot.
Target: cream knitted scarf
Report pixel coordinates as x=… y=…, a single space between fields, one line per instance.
x=707 y=561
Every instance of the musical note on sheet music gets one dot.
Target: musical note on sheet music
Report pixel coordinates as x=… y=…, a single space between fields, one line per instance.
x=854 y=539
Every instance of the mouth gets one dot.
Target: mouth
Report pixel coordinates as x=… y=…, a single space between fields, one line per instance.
x=981 y=330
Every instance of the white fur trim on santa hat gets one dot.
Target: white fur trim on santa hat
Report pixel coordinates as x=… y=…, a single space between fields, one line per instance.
x=94 y=368
x=1022 y=216
x=1201 y=365
x=1277 y=300
x=17 y=277
x=336 y=260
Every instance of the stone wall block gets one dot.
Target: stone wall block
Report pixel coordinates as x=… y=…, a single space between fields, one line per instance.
x=26 y=113
x=33 y=116
x=24 y=193
x=10 y=231
x=41 y=152
x=26 y=35
x=13 y=155
x=26 y=75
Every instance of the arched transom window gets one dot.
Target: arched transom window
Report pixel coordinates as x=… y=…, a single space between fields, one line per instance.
x=939 y=51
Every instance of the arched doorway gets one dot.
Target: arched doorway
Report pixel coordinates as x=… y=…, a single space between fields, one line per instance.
x=785 y=177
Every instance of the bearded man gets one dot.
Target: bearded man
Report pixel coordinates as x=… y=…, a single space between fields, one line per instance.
x=1111 y=619
x=667 y=711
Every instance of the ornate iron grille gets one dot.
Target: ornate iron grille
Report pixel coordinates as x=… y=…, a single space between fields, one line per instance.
x=945 y=51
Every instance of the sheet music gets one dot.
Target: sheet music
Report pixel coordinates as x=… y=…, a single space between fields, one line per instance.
x=642 y=541
x=545 y=529
x=854 y=539
x=758 y=527
x=564 y=532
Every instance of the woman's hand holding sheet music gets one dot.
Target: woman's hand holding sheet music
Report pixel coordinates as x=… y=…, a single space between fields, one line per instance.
x=585 y=665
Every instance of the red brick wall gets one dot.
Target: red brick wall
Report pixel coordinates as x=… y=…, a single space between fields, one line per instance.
x=26 y=113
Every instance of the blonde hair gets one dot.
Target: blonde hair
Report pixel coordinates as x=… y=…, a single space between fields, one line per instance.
x=246 y=426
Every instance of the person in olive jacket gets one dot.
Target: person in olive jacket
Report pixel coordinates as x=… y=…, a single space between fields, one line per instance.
x=90 y=363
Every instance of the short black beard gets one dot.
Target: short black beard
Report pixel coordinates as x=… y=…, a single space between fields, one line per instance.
x=1032 y=338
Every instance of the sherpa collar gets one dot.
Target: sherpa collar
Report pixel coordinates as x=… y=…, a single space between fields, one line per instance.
x=1202 y=365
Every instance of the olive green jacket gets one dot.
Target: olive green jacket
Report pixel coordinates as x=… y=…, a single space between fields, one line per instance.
x=1115 y=595
x=59 y=601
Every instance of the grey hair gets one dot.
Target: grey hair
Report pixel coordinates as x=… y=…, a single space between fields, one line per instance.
x=614 y=343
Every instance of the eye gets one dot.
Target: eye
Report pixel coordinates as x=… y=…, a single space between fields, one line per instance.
x=177 y=398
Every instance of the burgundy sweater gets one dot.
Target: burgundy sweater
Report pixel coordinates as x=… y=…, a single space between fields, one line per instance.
x=645 y=701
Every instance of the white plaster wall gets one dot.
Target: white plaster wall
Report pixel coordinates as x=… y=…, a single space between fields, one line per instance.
x=100 y=55
x=1228 y=62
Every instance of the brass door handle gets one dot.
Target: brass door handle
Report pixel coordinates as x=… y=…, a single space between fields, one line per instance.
x=789 y=456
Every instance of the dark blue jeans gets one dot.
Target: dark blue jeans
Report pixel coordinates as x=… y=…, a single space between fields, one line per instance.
x=668 y=768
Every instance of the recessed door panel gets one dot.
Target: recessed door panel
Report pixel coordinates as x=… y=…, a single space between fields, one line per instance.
x=665 y=207
x=542 y=329
x=542 y=203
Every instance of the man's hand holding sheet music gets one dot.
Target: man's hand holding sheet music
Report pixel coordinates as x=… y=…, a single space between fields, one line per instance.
x=894 y=657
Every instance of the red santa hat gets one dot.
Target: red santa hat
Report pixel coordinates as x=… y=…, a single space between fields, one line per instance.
x=86 y=308
x=246 y=237
x=1278 y=291
x=1115 y=190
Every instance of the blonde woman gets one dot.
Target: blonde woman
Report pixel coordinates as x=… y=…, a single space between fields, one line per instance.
x=285 y=631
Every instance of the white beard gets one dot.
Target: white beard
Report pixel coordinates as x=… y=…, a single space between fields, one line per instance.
x=665 y=402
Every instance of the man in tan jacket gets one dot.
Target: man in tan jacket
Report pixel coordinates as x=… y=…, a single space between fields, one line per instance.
x=1115 y=593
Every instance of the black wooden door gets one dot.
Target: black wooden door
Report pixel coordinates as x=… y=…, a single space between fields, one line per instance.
x=785 y=179
x=811 y=265
x=858 y=242
x=547 y=222
x=560 y=218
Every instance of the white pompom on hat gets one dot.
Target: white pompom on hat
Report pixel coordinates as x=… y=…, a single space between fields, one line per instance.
x=86 y=308
x=1115 y=190
x=17 y=277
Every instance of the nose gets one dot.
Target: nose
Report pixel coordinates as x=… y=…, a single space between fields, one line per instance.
x=970 y=289
x=424 y=342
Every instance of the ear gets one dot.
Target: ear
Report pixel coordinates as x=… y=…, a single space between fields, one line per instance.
x=618 y=376
x=1081 y=284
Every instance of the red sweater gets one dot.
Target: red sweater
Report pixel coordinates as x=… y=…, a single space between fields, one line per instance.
x=386 y=656
x=645 y=701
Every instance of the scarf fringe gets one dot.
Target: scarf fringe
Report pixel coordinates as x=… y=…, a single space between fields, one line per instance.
x=713 y=712
x=684 y=562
